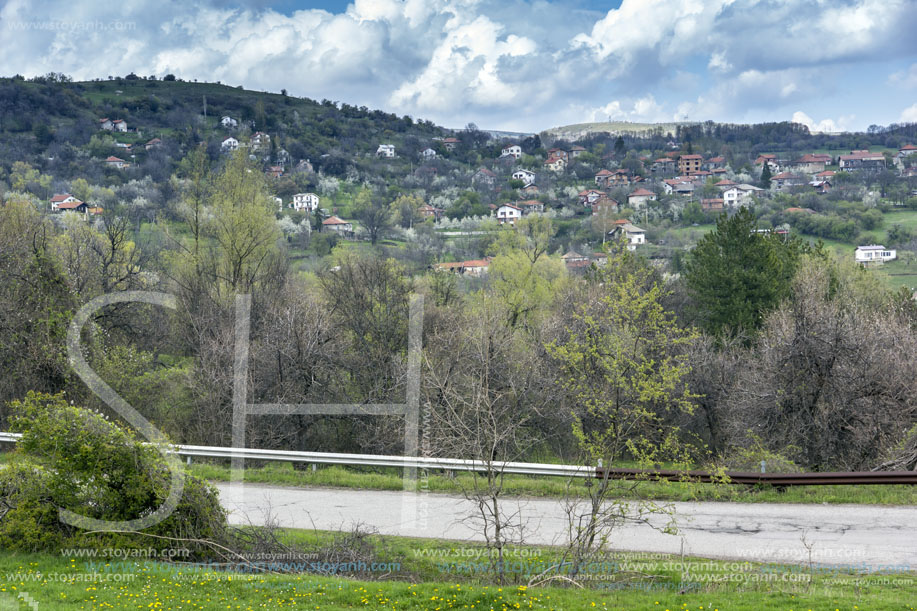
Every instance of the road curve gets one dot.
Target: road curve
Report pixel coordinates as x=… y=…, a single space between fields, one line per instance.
x=863 y=536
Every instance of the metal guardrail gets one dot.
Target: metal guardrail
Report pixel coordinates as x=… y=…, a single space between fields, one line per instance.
x=454 y=464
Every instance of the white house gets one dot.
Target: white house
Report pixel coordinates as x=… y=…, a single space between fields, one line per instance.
x=428 y=153
x=638 y=198
x=525 y=176
x=386 y=150
x=279 y=202
x=116 y=162
x=631 y=233
x=228 y=122
x=874 y=253
x=508 y=213
x=737 y=194
x=229 y=144
x=305 y=201
x=119 y=125
x=105 y=124
x=513 y=150
x=555 y=164
x=260 y=141
x=60 y=201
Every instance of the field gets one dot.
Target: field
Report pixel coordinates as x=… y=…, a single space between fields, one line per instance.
x=429 y=574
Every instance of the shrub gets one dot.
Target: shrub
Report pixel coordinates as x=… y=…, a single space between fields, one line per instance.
x=72 y=458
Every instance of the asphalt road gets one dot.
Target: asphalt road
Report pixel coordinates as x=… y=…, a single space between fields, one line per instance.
x=862 y=536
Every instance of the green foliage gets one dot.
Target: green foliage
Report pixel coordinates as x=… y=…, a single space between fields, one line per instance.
x=766 y=176
x=736 y=274
x=622 y=360
x=75 y=459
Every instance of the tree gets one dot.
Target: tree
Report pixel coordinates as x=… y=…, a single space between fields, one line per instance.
x=406 y=210
x=619 y=147
x=622 y=363
x=736 y=274
x=766 y=176
x=827 y=383
x=374 y=216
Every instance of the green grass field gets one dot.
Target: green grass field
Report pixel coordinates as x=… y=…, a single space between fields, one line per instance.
x=429 y=574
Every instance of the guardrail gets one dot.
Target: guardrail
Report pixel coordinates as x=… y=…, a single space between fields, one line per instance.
x=455 y=464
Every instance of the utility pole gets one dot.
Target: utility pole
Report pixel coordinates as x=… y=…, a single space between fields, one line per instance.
x=205 y=107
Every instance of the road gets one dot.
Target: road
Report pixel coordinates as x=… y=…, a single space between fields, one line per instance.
x=865 y=536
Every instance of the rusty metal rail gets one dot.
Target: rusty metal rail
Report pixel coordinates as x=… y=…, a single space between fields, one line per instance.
x=828 y=478
x=778 y=480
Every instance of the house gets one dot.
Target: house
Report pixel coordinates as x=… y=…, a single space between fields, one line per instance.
x=119 y=125
x=304 y=165
x=810 y=164
x=75 y=206
x=786 y=180
x=282 y=157
x=61 y=199
x=105 y=124
x=274 y=171
x=604 y=205
x=555 y=152
x=715 y=204
x=530 y=190
x=724 y=184
x=827 y=175
x=116 y=162
x=450 y=143
x=476 y=267
x=576 y=150
x=682 y=185
x=574 y=261
x=587 y=197
x=621 y=177
x=861 y=160
x=873 y=254
x=305 y=201
x=690 y=163
x=821 y=186
x=386 y=150
x=555 y=164
x=228 y=122
x=508 y=213
x=530 y=205
x=735 y=196
x=603 y=178
x=427 y=211
x=770 y=159
x=155 y=143
x=337 y=225
x=633 y=235
x=512 y=150
x=905 y=151
x=715 y=163
x=664 y=165
x=229 y=144
x=428 y=153
x=279 y=202
x=484 y=177
x=638 y=198
x=525 y=176
x=260 y=141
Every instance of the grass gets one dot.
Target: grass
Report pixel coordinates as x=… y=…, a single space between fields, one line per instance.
x=427 y=575
x=283 y=474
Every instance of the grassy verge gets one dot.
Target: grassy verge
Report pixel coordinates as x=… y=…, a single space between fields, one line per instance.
x=391 y=479
x=422 y=574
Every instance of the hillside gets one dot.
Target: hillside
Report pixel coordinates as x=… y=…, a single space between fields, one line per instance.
x=578 y=131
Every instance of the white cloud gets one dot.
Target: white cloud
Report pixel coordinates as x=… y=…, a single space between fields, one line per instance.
x=494 y=62
x=825 y=125
x=909 y=115
x=905 y=78
x=642 y=110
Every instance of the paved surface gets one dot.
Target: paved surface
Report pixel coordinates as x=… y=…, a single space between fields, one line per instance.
x=857 y=535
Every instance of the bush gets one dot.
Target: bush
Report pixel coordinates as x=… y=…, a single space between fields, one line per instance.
x=72 y=458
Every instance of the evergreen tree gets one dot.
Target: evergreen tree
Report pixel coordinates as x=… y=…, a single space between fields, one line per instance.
x=737 y=274
x=766 y=176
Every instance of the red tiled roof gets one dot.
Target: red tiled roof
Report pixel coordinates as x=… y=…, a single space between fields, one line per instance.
x=70 y=205
x=691 y=157
x=603 y=173
x=641 y=192
x=60 y=197
x=334 y=221
x=114 y=159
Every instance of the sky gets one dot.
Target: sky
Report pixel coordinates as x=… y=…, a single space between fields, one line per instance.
x=515 y=65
